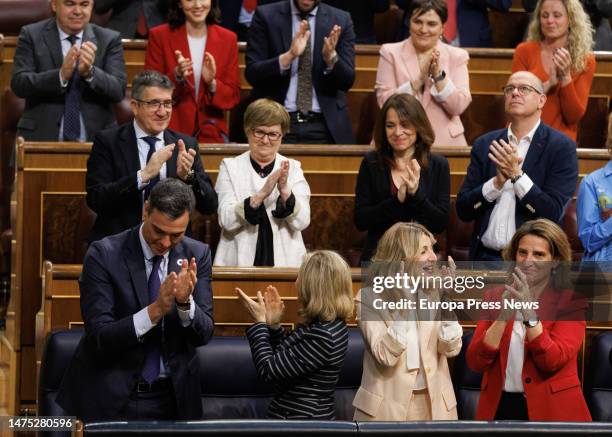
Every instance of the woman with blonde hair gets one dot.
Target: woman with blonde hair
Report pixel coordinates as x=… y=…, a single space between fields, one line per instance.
x=558 y=51
x=305 y=365
x=405 y=369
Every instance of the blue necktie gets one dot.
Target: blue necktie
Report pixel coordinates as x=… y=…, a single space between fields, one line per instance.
x=150 y=370
x=151 y=141
x=72 y=113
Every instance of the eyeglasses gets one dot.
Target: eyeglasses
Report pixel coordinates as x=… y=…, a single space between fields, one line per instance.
x=155 y=105
x=523 y=90
x=272 y=136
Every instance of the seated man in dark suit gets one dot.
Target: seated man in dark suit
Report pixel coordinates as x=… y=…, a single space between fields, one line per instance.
x=132 y=18
x=70 y=72
x=147 y=304
x=301 y=53
x=523 y=172
x=127 y=161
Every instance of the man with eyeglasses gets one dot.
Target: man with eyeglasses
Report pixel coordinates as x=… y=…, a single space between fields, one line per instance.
x=127 y=161
x=523 y=172
x=69 y=72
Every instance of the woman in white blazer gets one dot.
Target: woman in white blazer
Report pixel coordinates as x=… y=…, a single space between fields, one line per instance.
x=263 y=196
x=405 y=372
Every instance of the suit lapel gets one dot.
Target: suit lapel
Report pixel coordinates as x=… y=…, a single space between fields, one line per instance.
x=322 y=27
x=52 y=40
x=535 y=149
x=176 y=254
x=286 y=21
x=89 y=35
x=411 y=63
x=134 y=258
x=129 y=148
x=171 y=163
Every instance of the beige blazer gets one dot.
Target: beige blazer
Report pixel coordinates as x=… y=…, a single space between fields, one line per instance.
x=386 y=383
x=399 y=64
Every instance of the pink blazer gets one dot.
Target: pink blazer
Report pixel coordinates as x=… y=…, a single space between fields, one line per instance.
x=398 y=64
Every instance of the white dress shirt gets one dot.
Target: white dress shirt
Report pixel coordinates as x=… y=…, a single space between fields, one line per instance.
x=516 y=357
x=502 y=223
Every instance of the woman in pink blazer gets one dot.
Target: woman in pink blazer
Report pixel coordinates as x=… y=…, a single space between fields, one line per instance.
x=405 y=372
x=434 y=72
x=201 y=58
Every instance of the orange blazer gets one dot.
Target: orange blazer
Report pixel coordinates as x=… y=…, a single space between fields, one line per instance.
x=565 y=106
x=550 y=370
x=203 y=116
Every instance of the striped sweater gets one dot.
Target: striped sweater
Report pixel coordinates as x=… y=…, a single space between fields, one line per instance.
x=305 y=365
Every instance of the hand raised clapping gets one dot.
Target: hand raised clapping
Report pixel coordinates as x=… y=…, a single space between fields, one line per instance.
x=410 y=178
x=268 y=308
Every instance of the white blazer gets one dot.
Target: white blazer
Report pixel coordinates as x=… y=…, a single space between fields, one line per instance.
x=238 y=180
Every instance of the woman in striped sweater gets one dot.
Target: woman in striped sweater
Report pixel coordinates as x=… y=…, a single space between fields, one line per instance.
x=305 y=365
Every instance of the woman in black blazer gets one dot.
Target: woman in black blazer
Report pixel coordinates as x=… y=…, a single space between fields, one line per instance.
x=401 y=181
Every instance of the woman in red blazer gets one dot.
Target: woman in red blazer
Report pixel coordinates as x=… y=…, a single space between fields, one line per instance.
x=529 y=358
x=201 y=58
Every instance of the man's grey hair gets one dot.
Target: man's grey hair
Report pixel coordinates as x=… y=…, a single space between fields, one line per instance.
x=149 y=78
x=171 y=197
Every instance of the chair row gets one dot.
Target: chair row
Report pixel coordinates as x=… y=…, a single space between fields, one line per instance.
x=230 y=388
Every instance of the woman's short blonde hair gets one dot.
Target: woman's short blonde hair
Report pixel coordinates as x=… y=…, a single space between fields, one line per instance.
x=580 y=32
x=266 y=112
x=325 y=287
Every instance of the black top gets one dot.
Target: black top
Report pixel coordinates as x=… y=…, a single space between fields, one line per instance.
x=376 y=209
x=305 y=365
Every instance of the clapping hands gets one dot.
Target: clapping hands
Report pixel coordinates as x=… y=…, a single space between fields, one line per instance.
x=410 y=178
x=268 y=308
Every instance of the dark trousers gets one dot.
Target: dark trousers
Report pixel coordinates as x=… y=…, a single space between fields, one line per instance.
x=512 y=406
x=154 y=405
x=311 y=130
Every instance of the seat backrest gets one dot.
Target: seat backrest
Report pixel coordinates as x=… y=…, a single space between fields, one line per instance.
x=18 y=13
x=466 y=382
x=458 y=235
x=59 y=349
x=230 y=386
x=599 y=386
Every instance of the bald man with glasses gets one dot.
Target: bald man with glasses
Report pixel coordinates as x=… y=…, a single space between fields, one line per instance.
x=525 y=171
x=127 y=161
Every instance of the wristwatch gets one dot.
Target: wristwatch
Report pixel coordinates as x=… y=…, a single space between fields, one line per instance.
x=190 y=178
x=531 y=323
x=516 y=178
x=436 y=79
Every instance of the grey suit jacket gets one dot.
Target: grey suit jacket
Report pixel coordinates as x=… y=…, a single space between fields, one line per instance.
x=36 y=65
x=124 y=18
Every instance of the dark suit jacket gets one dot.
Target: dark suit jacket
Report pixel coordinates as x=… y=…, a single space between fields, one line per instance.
x=270 y=36
x=552 y=165
x=376 y=209
x=362 y=12
x=36 y=65
x=111 y=182
x=472 y=20
x=124 y=18
x=109 y=359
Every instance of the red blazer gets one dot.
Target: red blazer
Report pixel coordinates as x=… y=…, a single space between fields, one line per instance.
x=550 y=369
x=202 y=117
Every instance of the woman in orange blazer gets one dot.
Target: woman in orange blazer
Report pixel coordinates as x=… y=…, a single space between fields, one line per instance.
x=201 y=58
x=433 y=72
x=529 y=359
x=405 y=371
x=558 y=51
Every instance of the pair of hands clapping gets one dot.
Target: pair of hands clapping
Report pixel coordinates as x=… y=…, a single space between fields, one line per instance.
x=507 y=161
x=278 y=178
x=184 y=161
x=82 y=58
x=176 y=287
x=268 y=308
x=407 y=179
x=561 y=71
x=300 y=39
x=184 y=67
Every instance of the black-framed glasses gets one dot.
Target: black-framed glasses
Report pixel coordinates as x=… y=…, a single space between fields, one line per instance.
x=154 y=105
x=523 y=90
x=260 y=134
